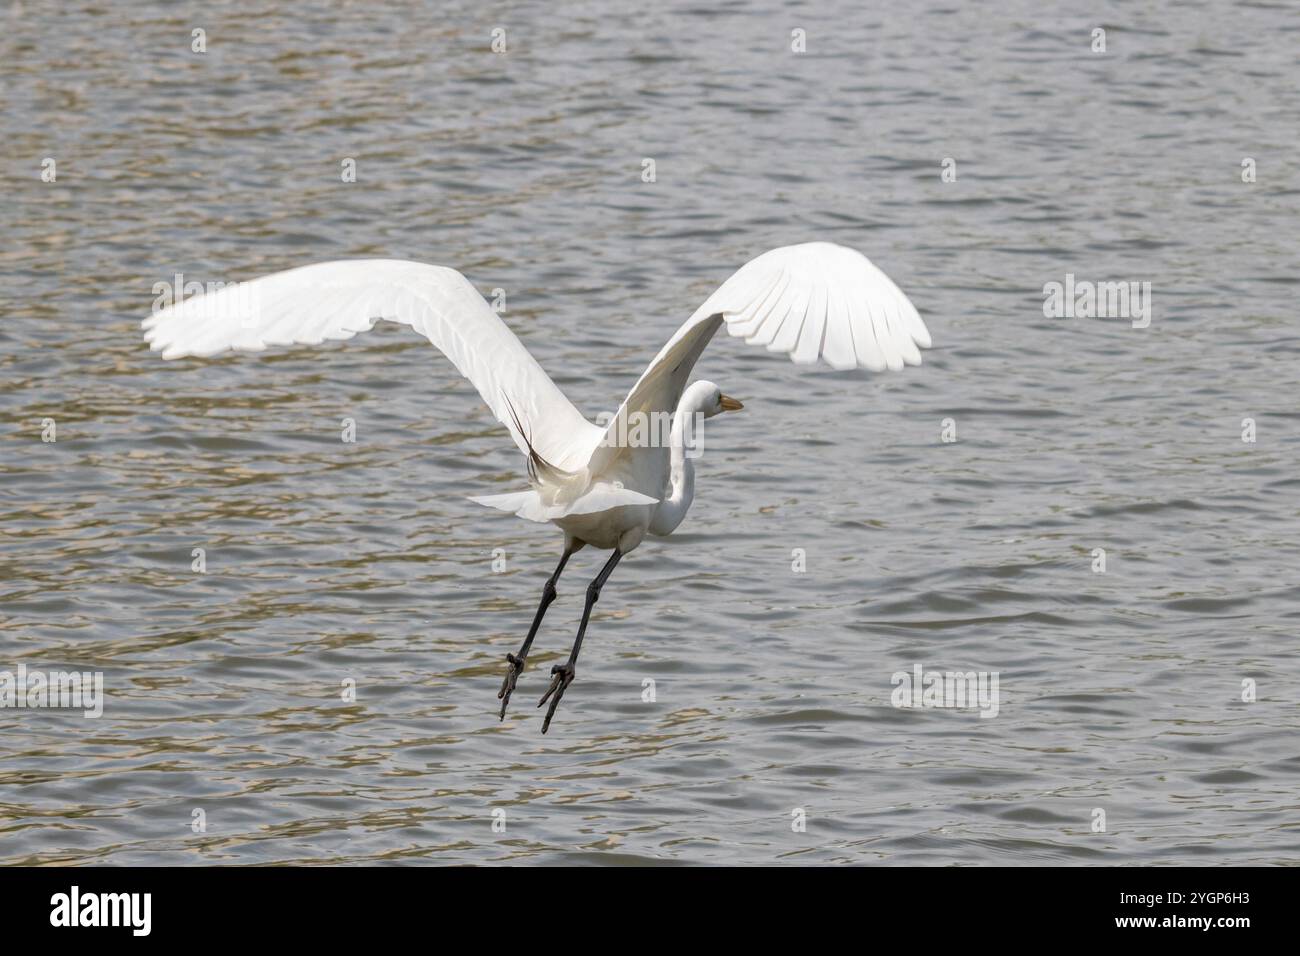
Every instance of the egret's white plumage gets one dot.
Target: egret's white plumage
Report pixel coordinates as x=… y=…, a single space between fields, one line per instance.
x=336 y=300
x=812 y=301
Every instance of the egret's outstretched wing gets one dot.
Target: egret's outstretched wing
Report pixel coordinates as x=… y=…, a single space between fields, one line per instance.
x=812 y=301
x=336 y=300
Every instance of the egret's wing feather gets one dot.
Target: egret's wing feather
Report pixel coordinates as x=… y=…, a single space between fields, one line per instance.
x=812 y=301
x=336 y=300
x=814 y=316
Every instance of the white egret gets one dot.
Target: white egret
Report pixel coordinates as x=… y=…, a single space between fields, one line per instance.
x=815 y=300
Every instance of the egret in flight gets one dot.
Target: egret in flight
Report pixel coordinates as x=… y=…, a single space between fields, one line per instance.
x=602 y=485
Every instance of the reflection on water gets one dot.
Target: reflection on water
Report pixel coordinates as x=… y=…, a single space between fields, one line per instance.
x=329 y=563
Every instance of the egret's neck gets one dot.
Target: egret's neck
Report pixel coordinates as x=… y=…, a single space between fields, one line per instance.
x=683 y=441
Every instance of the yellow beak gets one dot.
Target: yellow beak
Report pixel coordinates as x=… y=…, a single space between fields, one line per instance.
x=729 y=404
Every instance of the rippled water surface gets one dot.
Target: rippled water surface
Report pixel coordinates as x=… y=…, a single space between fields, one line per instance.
x=327 y=562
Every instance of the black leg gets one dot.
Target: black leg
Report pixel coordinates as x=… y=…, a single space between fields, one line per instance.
x=516 y=662
x=562 y=674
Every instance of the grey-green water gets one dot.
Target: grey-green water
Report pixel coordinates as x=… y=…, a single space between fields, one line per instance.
x=327 y=562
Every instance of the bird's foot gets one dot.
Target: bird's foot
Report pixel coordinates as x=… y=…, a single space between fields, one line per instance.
x=508 y=682
x=561 y=677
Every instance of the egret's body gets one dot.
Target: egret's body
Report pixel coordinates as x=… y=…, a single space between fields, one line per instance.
x=604 y=486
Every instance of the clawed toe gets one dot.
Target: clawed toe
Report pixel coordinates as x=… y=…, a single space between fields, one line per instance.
x=516 y=667
x=561 y=677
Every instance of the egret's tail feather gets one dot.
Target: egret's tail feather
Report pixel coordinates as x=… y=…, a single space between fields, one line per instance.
x=529 y=504
x=525 y=504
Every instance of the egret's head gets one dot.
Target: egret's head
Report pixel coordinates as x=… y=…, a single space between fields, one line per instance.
x=709 y=400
